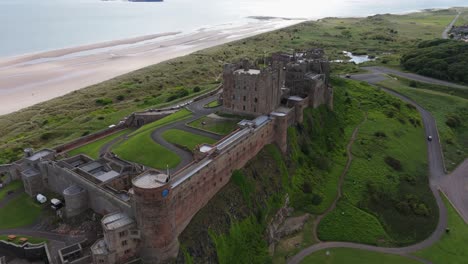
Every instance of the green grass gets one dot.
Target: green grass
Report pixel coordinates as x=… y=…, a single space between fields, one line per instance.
x=213 y=104
x=373 y=190
x=463 y=19
x=185 y=139
x=351 y=256
x=141 y=148
x=69 y=117
x=21 y=211
x=349 y=223
x=12 y=186
x=92 y=149
x=218 y=126
x=32 y=240
x=451 y=248
x=441 y=105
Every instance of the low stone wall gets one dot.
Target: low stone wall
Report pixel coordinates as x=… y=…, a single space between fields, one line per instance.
x=27 y=251
x=86 y=139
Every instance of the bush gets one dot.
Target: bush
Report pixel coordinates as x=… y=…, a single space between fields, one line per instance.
x=380 y=134
x=196 y=89
x=394 y=163
x=120 y=97
x=453 y=121
x=104 y=101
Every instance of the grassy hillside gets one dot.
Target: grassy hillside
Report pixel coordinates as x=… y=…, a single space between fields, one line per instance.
x=450 y=112
x=386 y=198
x=85 y=111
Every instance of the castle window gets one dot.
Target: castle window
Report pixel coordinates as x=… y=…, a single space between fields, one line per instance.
x=234 y=97
x=124 y=243
x=245 y=87
x=245 y=98
x=127 y=251
x=256 y=100
x=122 y=234
x=255 y=109
x=101 y=261
x=243 y=107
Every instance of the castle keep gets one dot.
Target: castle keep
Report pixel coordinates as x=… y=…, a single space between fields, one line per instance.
x=145 y=210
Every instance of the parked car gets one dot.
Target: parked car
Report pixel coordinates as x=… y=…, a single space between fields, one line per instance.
x=348 y=76
x=429 y=138
x=56 y=204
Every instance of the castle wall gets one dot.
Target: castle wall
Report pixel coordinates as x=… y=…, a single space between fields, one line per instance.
x=193 y=194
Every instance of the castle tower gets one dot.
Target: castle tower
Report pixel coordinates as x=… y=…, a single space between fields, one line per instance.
x=155 y=217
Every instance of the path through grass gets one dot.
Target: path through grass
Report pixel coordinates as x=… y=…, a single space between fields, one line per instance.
x=351 y=256
x=92 y=149
x=185 y=139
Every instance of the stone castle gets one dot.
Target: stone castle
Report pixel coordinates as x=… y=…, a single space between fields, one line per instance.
x=145 y=210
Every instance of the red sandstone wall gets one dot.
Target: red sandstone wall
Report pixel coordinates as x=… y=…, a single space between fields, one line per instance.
x=86 y=139
x=194 y=194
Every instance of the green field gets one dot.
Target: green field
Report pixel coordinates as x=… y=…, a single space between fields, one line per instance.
x=92 y=149
x=21 y=211
x=386 y=187
x=451 y=248
x=185 y=139
x=94 y=108
x=218 y=126
x=32 y=240
x=443 y=107
x=12 y=186
x=351 y=256
x=141 y=148
x=463 y=19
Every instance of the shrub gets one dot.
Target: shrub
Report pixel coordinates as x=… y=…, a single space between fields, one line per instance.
x=413 y=84
x=120 y=97
x=104 y=101
x=380 y=134
x=453 y=121
x=394 y=163
x=196 y=89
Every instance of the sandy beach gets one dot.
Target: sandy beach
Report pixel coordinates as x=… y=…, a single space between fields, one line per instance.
x=30 y=79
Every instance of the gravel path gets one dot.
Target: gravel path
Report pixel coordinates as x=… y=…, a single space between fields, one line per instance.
x=445 y=34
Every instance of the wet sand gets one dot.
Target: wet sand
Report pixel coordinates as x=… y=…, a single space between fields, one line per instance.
x=30 y=79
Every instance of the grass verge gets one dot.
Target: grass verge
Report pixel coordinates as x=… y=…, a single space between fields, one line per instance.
x=347 y=255
x=92 y=149
x=185 y=139
x=32 y=240
x=12 y=186
x=218 y=126
x=21 y=211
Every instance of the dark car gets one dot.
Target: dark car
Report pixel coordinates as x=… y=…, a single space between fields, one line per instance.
x=348 y=76
x=429 y=138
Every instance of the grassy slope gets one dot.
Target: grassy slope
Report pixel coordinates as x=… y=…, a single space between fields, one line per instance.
x=92 y=149
x=141 y=148
x=454 y=141
x=69 y=117
x=451 y=249
x=222 y=127
x=364 y=184
x=12 y=186
x=21 y=211
x=185 y=139
x=346 y=255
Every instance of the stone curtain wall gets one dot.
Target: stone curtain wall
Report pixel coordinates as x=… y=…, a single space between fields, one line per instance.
x=27 y=251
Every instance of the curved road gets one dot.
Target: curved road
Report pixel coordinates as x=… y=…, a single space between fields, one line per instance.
x=436 y=169
x=198 y=111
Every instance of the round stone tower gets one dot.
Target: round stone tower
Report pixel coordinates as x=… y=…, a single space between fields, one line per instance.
x=155 y=217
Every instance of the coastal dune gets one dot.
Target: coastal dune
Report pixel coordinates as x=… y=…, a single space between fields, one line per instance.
x=30 y=79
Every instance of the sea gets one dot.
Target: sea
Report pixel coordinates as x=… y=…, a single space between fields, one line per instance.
x=29 y=26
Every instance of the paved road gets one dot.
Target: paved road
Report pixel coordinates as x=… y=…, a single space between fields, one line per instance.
x=198 y=112
x=376 y=74
x=455 y=186
x=445 y=34
x=436 y=169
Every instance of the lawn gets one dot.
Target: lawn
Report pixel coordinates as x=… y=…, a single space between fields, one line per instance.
x=12 y=186
x=32 y=240
x=451 y=248
x=141 y=148
x=81 y=112
x=218 y=126
x=92 y=149
x=213 y=104
x=21 y=211
x=351 y=256
x=386 y=186
x=443 y=107
x=185 y=139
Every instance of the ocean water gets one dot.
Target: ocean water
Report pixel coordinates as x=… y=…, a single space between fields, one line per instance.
x=28 y=26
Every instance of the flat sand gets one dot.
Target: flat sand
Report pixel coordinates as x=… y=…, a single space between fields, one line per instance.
x=30 y=79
